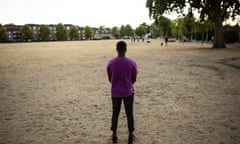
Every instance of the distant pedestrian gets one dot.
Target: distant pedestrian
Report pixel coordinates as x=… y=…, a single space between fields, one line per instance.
x=166 y=41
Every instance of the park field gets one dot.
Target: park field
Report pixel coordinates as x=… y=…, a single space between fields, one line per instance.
x=58 y=93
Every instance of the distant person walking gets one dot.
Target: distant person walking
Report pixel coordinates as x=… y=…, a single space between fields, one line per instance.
x=122 y=74
x=166 y=41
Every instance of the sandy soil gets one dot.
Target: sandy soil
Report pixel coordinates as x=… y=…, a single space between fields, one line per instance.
x=58 y=93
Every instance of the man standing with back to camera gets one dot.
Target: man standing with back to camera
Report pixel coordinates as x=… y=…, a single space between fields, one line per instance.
x=122 y=74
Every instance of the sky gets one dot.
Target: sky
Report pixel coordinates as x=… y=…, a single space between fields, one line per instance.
x=93 y=13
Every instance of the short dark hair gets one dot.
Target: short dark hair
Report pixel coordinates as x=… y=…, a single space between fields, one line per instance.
x=121 y=46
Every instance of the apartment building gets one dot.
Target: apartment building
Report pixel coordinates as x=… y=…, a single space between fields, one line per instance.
x=52 y=29
x=35 y=29
x=14 y=32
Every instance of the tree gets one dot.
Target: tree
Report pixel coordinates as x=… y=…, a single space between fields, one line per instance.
x=202 y=27
x=101 y=28
x=61 y=32
x=3 y=34
x=231 y=33
x=184 y=26
x=141 y=30
x=147 y=27
x=27 y=33
x=155 y=31
x=129 y=30
x=189 y=24
x=44 y=33
x=214 y=10
x=115 y=32
x=179 y=29
x=164 y=25
x=74 y=33
x=88 y=32
x=122 y=31
x=126 y=30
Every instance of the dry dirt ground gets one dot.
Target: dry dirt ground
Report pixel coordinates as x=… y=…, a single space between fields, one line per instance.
x=58 y=93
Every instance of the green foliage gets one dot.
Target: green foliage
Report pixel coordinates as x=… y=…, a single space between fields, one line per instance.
x=141 y=30
x=155 y=31
x=207 y=8
x=158 y=7
x=27 y=33
x=164 y=25
x=102 y=28
x=3 y=34
x=214 y=10
x=147 y=27
x=129 y=30
x=88 y=32
x=126 y=30
x=179 y=28
x=115 y=32
x=44 y=33
x=122 y=31
x=189 y=21
x=61 y=32
x=202 y=26
x=74 y=33
x=231 y=34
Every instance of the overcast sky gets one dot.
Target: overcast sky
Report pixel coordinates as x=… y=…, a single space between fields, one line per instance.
x=94 y=13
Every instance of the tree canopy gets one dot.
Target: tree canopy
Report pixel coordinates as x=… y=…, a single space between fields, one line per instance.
x=115 y=32
x=164 y=25
x=3 y=34
x=141 y=30
x=27 y=33
x=44 y=32
x=126 y=30
x=74 y=33
x=215 y=11
x=61 y=32
x=88 y=32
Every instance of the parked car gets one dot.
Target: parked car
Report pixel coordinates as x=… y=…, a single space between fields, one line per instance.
x=171 y=39
x=97 y=38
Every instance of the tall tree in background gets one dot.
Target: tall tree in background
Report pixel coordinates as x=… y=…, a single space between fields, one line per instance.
x=129 y=30
x=61 y=32
x=115 y=32
x=44 y=33
x=203 y=28
x=126 y=30
x=214 y=10
x=88 y=32
x=179 y=29
x=27 y=33
x=189 y=24
x=141 y=30
x=74 y=33
x=164 y=24
x=147 y=27
x=3 y=34
x=155 y=31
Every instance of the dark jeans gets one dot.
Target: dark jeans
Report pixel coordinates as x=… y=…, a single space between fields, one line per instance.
x=116 y=106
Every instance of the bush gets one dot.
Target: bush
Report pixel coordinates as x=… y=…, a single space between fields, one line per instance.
x=230 y=36
x=106 y=37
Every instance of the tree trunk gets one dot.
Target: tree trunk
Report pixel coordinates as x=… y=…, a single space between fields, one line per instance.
x=218 y=34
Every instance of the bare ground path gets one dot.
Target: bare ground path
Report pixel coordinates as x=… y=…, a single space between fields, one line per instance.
x=58 y=92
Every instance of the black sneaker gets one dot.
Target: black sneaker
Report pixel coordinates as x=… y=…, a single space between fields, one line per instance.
x=131 y=139
x=114 y=139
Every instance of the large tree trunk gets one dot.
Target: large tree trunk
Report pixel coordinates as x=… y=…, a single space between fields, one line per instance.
x=218 y=34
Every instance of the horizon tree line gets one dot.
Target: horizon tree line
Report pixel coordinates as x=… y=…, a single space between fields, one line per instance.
x=185 y=27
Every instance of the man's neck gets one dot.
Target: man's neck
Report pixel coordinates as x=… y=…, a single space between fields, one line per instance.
x=121 y=55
